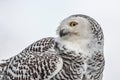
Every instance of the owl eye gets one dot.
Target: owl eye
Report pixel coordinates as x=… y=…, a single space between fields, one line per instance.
x=73 y=24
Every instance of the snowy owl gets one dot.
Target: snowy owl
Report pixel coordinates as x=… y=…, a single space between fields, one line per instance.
x=76 y=54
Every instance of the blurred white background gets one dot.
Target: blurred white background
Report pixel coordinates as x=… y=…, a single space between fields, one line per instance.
x=24 y=21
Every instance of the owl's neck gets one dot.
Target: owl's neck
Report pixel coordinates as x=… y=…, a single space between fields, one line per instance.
x=85 y=46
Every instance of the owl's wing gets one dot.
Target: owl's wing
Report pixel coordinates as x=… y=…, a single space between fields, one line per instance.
x=37 y=47
x=42 y=45
x=35 y=62
x=34 y=67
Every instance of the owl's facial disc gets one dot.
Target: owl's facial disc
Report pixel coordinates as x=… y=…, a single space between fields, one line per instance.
x=69 y=30
x=74 y=27
x=64 y=33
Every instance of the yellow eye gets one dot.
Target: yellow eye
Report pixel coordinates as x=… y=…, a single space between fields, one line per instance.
x=73 y=23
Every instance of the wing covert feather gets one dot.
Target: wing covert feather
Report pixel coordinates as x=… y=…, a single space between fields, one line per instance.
x=35 y=67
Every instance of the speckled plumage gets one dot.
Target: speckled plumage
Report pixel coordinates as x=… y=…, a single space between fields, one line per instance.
x=71 y=56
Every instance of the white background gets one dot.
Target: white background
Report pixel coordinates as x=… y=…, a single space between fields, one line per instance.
x=24 y=21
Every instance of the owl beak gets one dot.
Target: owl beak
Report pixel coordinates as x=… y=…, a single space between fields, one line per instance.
x=63 y=33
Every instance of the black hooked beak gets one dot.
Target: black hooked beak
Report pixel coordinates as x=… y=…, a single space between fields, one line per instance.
x=63 y=33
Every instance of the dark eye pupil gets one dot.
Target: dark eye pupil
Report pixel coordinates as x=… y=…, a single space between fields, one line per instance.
x=74 y=24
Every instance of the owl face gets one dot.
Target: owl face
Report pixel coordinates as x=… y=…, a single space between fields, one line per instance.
x=75 y=26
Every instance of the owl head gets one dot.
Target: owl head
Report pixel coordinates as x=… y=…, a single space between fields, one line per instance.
x=79 y=27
